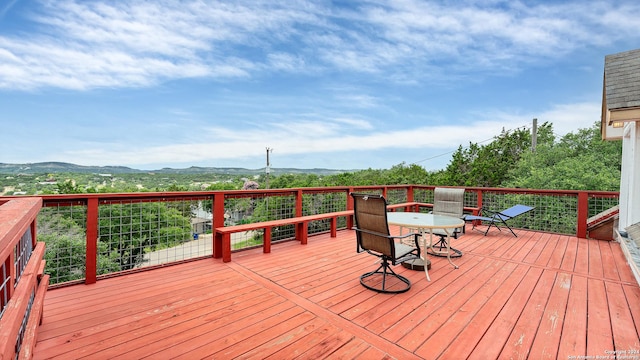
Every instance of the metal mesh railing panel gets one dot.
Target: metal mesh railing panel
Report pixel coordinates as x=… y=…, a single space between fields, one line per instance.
x=252 y=208
x=552 y=213
x=322 y=203
x=396 y=196
x=23 y=325
x=4 y=286
x=133 y=234
x=423 y=195
x=601 y=204
x=22 y=253
x=62 y=227
x=470 y=199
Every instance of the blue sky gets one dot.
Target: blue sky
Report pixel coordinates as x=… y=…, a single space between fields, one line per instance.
x=341 y=85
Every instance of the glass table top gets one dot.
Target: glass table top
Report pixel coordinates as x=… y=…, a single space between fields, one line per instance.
x=422 y=220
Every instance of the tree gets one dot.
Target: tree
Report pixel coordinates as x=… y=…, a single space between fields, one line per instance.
x=402 y=174
x=130 y=230
x=66 y=247
x=489 y=165
x=579 y=161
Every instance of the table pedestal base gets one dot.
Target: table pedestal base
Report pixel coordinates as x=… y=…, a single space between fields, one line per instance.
x=417 y=264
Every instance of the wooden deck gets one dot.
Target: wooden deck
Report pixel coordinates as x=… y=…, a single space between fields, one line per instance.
x=536 y=296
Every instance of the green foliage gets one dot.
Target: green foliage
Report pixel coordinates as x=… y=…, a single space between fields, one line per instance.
x=579 y=161
x=66 y=247
x=294 y=181
x=488 y=165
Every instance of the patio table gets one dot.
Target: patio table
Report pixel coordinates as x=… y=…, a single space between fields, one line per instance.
x=427 y=223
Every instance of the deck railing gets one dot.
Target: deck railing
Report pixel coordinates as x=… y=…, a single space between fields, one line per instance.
x=90 y=236
x=22 y=283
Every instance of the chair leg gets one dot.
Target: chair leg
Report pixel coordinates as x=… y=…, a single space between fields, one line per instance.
x=442 y=249
x=509 y=227
x=382 y=280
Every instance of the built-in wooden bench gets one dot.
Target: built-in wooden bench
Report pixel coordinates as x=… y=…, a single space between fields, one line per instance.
x=222 y=238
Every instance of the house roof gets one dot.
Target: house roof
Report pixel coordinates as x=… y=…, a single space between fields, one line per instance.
x=622 y=80
x=620 y=92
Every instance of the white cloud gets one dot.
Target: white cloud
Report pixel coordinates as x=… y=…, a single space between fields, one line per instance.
x=83 y=45
x=568 y=118
x=293 y=138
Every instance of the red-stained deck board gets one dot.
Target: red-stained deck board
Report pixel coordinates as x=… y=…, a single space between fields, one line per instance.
x=420 y=308
x=444 y=308
x=323 y=343
x=595 y=259
x=356 y=349
x=494 y=339
x=469 y=312
x=473 y=332
x=573 y=341
x=536 y=295
x=582 y=257
x=610 y=271
x=140 y=339
x=402 y=317
x=547 y=338
x=550 y=247
x=632 y=294
x=621 y=320
x=570 y=254
x=120 y=330
x=555 y=261
x=89 y=319
x=223 y=334
x=306 y=334
x=539 y=245
x=599 y=335
x=525 y=244
x=519 y=342
x=620 y=262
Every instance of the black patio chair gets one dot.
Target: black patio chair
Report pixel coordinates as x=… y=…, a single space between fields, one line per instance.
x=373 y=237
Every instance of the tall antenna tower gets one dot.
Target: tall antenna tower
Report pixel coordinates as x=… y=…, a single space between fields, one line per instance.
x=267 y=169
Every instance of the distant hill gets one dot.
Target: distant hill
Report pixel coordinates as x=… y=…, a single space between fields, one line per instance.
x=62 y=167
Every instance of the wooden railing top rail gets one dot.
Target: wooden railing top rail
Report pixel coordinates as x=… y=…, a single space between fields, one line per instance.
x=16 y=216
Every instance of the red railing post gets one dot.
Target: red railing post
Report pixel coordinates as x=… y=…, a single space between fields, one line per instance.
x=410 y=193
x=301 y=228
x=91 y=272
x=217 y=221
x=479 y=203
x=299 y=203
x=349 y=207
x=583 y=214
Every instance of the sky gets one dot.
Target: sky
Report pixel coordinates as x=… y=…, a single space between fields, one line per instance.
x=322 y=84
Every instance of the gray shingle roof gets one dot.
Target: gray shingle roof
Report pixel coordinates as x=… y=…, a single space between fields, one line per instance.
x=622 y=79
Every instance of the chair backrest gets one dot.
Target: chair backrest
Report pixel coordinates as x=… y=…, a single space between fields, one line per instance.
x=447 y=201
x=372 y=229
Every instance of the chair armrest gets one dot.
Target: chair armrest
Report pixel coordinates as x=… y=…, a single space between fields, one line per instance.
x=385 y=235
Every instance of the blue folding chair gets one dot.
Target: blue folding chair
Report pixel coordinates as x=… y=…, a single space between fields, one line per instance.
x=498 y=218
